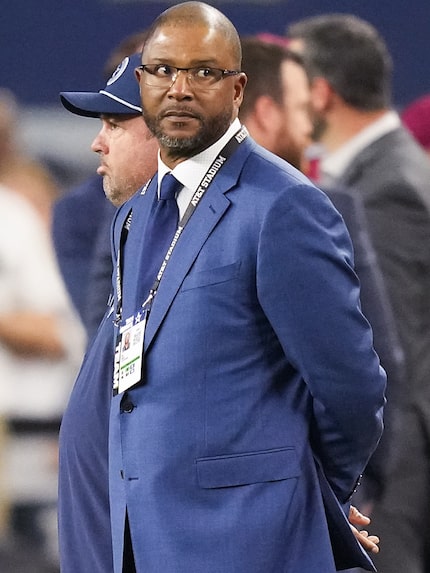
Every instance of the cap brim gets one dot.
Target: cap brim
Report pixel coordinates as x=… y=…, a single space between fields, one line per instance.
x=90 y=104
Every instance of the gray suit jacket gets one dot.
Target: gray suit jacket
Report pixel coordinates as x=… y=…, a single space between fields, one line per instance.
x=393 y=178
x=377 y=309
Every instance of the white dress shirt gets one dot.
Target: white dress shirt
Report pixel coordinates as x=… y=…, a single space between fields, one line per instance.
x=191 y=171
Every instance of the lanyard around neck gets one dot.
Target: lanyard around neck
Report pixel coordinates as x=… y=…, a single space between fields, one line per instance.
x=203 y=186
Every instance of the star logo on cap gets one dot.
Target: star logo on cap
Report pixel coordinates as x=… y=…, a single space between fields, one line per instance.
x=118 y=72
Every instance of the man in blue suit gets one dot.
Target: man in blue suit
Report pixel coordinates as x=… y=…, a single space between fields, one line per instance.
x=238 y=439
x=128 y=157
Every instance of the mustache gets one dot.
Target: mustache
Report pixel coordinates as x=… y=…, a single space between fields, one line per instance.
x=179 y=110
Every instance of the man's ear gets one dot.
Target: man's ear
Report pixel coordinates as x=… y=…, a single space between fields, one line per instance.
x=321 y=94
x=266 y=113
x=239 y=85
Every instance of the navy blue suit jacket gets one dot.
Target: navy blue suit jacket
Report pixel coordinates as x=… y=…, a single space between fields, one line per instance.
x=83 y=489
x=80 y=231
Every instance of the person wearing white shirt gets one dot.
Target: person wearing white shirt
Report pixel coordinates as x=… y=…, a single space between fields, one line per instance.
x=41 y=346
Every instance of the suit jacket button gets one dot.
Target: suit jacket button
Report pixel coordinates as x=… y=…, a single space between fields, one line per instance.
x=127 y=407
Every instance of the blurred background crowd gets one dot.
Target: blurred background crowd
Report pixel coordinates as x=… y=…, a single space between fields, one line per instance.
x=45 y=155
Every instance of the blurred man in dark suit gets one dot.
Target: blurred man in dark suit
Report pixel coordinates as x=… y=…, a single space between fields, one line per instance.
x=368 y=149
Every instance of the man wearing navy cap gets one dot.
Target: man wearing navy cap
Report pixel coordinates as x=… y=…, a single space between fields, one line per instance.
x=124 y=143
x=118 y=96
x=128 y=158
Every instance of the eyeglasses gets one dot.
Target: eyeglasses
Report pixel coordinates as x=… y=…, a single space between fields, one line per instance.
x=164 y=75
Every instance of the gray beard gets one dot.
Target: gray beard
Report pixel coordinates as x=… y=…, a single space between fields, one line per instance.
x=186 y=147
x=182 y=146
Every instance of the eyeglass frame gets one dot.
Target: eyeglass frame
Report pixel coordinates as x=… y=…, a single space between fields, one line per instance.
x=224 y=73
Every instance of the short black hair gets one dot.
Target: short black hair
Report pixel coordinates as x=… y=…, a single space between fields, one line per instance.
x=350 y=54
x=195 y=12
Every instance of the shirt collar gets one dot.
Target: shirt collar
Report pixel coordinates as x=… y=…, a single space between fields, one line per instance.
x=191 y=171
x=335 y=164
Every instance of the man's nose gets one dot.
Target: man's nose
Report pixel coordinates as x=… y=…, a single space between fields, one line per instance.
x=98 y=144
x=181 y=84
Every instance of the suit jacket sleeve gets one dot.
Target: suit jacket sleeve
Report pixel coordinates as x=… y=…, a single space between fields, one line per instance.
x=310 y=293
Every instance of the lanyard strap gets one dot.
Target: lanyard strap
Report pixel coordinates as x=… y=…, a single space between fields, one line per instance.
x=119 y=264
x=203 y=186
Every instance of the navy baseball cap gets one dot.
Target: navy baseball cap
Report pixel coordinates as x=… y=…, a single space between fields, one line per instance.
x=121 y=95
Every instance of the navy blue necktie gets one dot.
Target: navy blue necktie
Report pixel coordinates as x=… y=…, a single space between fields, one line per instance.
x=162 y=225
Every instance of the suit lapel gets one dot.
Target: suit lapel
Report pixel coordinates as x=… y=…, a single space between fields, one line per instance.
x=188 y=247
x=207 y=215
x=141 y=207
